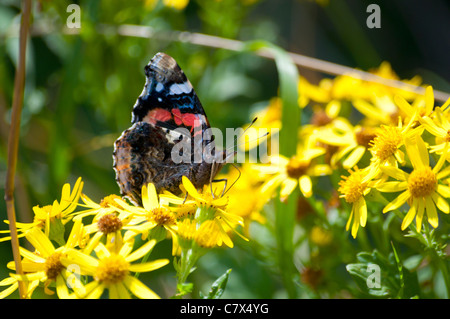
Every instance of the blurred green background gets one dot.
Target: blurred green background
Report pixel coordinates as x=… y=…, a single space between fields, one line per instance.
x=80 y=88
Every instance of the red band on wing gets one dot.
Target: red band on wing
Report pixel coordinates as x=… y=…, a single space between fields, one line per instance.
x=187 y=119
x=157 y=115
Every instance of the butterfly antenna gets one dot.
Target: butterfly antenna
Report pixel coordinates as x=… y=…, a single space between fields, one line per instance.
x=235 y=181
x=243 y=143
x=246 y=129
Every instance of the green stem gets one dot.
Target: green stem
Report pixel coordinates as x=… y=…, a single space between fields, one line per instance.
x=438 y=257
x=291 y=119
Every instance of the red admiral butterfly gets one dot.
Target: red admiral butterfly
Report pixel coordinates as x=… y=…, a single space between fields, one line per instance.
x=167 y=112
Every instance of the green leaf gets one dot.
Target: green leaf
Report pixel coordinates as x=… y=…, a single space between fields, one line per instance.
x=218 y=287
x=288 y=82
x=380 y=276
x=291 y=118
x=57 y=231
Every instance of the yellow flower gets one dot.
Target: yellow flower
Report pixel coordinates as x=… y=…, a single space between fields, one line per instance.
x=208 y=207
x=308 y=91
x=13 y=284
x=44 y=265
x=353 y=188
x=378 y=110
x=351 y=142
x=292 y=172
x=422 y=106
x=176 y=4
x=153 y=213
x=421 y=188
x=108 y=205
x=268 y=121
x=352 y=87
x=320 y=236
x=440 y=128
x=44 y=216
x=111 y=270
x=245 y=197
x=385 y=147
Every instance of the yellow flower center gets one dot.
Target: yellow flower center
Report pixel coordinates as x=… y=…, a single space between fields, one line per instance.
x=53 y=266
x=365 y=136
x=352 y=187
x=447 y=138
x=109 y=224
x=320 y=118
x=112 y=269
x=109 y=201
x=161 y=216
x=296 y=167
x=422 y=182
x=386 y=143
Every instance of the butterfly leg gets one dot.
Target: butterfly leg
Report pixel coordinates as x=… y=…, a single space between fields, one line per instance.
x=225 y=180
x=185 y=198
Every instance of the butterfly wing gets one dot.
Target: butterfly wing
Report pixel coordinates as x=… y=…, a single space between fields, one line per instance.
x=167 y=112
x=168 y=99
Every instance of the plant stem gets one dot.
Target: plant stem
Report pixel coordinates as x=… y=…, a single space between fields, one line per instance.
x=147 y=32
x=13 y=140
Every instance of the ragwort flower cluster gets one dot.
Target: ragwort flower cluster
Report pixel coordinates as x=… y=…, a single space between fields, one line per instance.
x=110 y=242
x=386 y=142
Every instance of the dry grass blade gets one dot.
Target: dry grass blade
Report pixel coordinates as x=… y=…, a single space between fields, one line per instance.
x=13 y=140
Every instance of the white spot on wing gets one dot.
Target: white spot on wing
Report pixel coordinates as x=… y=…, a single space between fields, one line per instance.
x=159 y=87
x=180 y=88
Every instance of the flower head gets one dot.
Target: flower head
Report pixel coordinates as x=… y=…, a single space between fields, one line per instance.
x=61 y=211
x=44 y=265
x=353 y=189
x=422 y=188
x=112 y=270
x=288 y=173
x=154 y=215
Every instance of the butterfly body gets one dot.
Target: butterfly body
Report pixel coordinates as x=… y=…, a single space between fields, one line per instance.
x=167 y=112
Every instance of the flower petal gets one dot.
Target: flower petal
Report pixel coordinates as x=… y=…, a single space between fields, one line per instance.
x=305 y=185
x=392 y=187
x=409 y=217
x=362 y=211
x=399 y=201
x=420 y=211
x=191 y=189
x=395 y=172
x=403 y=104
x=429 y=99
x=31 y=256
x=139 y=289
x=93 y=290
x=355 y=225
x=270 y=185
x=444 y=173
x=354 y=157
x=149 y=197
x=287 y=186
x=431 y=127
x=141 y=251
x=41 y=242
x=87 y=263
x=441 y=203
x=149 y=266
x=443 y=190
x=347 y=226
x=431 y=212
